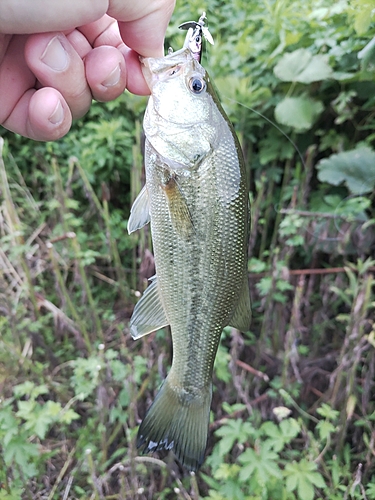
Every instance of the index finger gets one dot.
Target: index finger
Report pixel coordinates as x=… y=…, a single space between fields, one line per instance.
x=143 y=24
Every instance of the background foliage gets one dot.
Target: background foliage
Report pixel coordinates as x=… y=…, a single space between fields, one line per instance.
x=293 y=413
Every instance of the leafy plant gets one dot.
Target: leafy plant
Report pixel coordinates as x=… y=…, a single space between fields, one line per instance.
x=293 y=399
x=304 y=478
x=356 y=168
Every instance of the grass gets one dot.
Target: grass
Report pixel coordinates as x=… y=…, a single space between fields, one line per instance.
x=65 y=304
x=293 y=412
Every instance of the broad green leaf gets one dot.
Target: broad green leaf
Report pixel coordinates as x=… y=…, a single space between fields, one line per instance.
x=68 y=416
x=326 y=410
x=264 y=285
x=305 y=489
x=303 y=477
x=9 y=425
x=230 y=487
x=262 y=462
x=343 y=75
x=30 y=389
x=15 y=494
x=325 y=429
x=38 y=418
x=367 y=54
x=270 y=149
x=298 y=112
x=291 y=481
x=290 y=428
x=20 y=451
x=303 y=67
x=221 y=365
x=52 y=408
x=370 y=491
x=280 y=435
x=25 y=409
x=232 y=431
x=214 y=495
x=363 y=11
x=356 y=168
x=274 y=435
x=23 y=389
x=232 y=408
x=256 y=265
x=85 y=376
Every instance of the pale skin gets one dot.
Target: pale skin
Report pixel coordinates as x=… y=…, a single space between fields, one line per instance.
x=55 y=57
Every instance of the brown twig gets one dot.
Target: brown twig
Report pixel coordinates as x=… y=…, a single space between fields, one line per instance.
x=252 y=370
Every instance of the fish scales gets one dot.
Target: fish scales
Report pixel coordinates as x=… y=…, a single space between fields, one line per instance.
x=205 y=269
x=197 y=201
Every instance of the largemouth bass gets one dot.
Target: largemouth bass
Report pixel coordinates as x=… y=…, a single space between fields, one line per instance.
x=197 y=201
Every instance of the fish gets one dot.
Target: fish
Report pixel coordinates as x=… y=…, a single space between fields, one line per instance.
x=196 y=199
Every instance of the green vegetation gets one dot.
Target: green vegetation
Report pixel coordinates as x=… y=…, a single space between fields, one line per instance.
x=293 y=413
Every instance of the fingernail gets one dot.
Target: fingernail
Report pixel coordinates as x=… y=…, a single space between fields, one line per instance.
x=113 y=78
x=55 y=56
x=58 y=114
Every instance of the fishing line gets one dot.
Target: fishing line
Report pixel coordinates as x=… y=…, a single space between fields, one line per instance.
x=336 y=216
x=274 y=125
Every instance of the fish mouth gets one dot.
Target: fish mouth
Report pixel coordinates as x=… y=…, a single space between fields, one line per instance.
x=161 y=64
x=156 y=69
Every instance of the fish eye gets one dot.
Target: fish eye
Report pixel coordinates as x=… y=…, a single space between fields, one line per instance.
x=197 y=85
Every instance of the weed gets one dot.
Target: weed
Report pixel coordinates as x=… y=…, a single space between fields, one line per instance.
x=293 y=414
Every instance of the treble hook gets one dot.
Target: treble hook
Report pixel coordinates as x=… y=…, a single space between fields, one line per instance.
x=193 y=40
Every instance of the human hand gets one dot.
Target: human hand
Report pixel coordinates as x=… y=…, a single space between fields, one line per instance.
x=56 y=56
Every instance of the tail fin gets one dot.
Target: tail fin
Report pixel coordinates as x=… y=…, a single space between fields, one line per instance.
x=177 y=420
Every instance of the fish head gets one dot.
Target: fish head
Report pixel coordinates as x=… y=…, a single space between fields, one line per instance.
x=178 y=85
x=181 y=117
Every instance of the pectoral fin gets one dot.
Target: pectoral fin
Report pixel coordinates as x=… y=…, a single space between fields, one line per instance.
x=241 y=318
x=178 y=209
x=148 y=314
x=140 y=211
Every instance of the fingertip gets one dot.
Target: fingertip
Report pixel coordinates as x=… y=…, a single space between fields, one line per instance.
x=105 y=73
x=143 y=25
x=49 y=115
x=57 y=65
x=136 y=83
